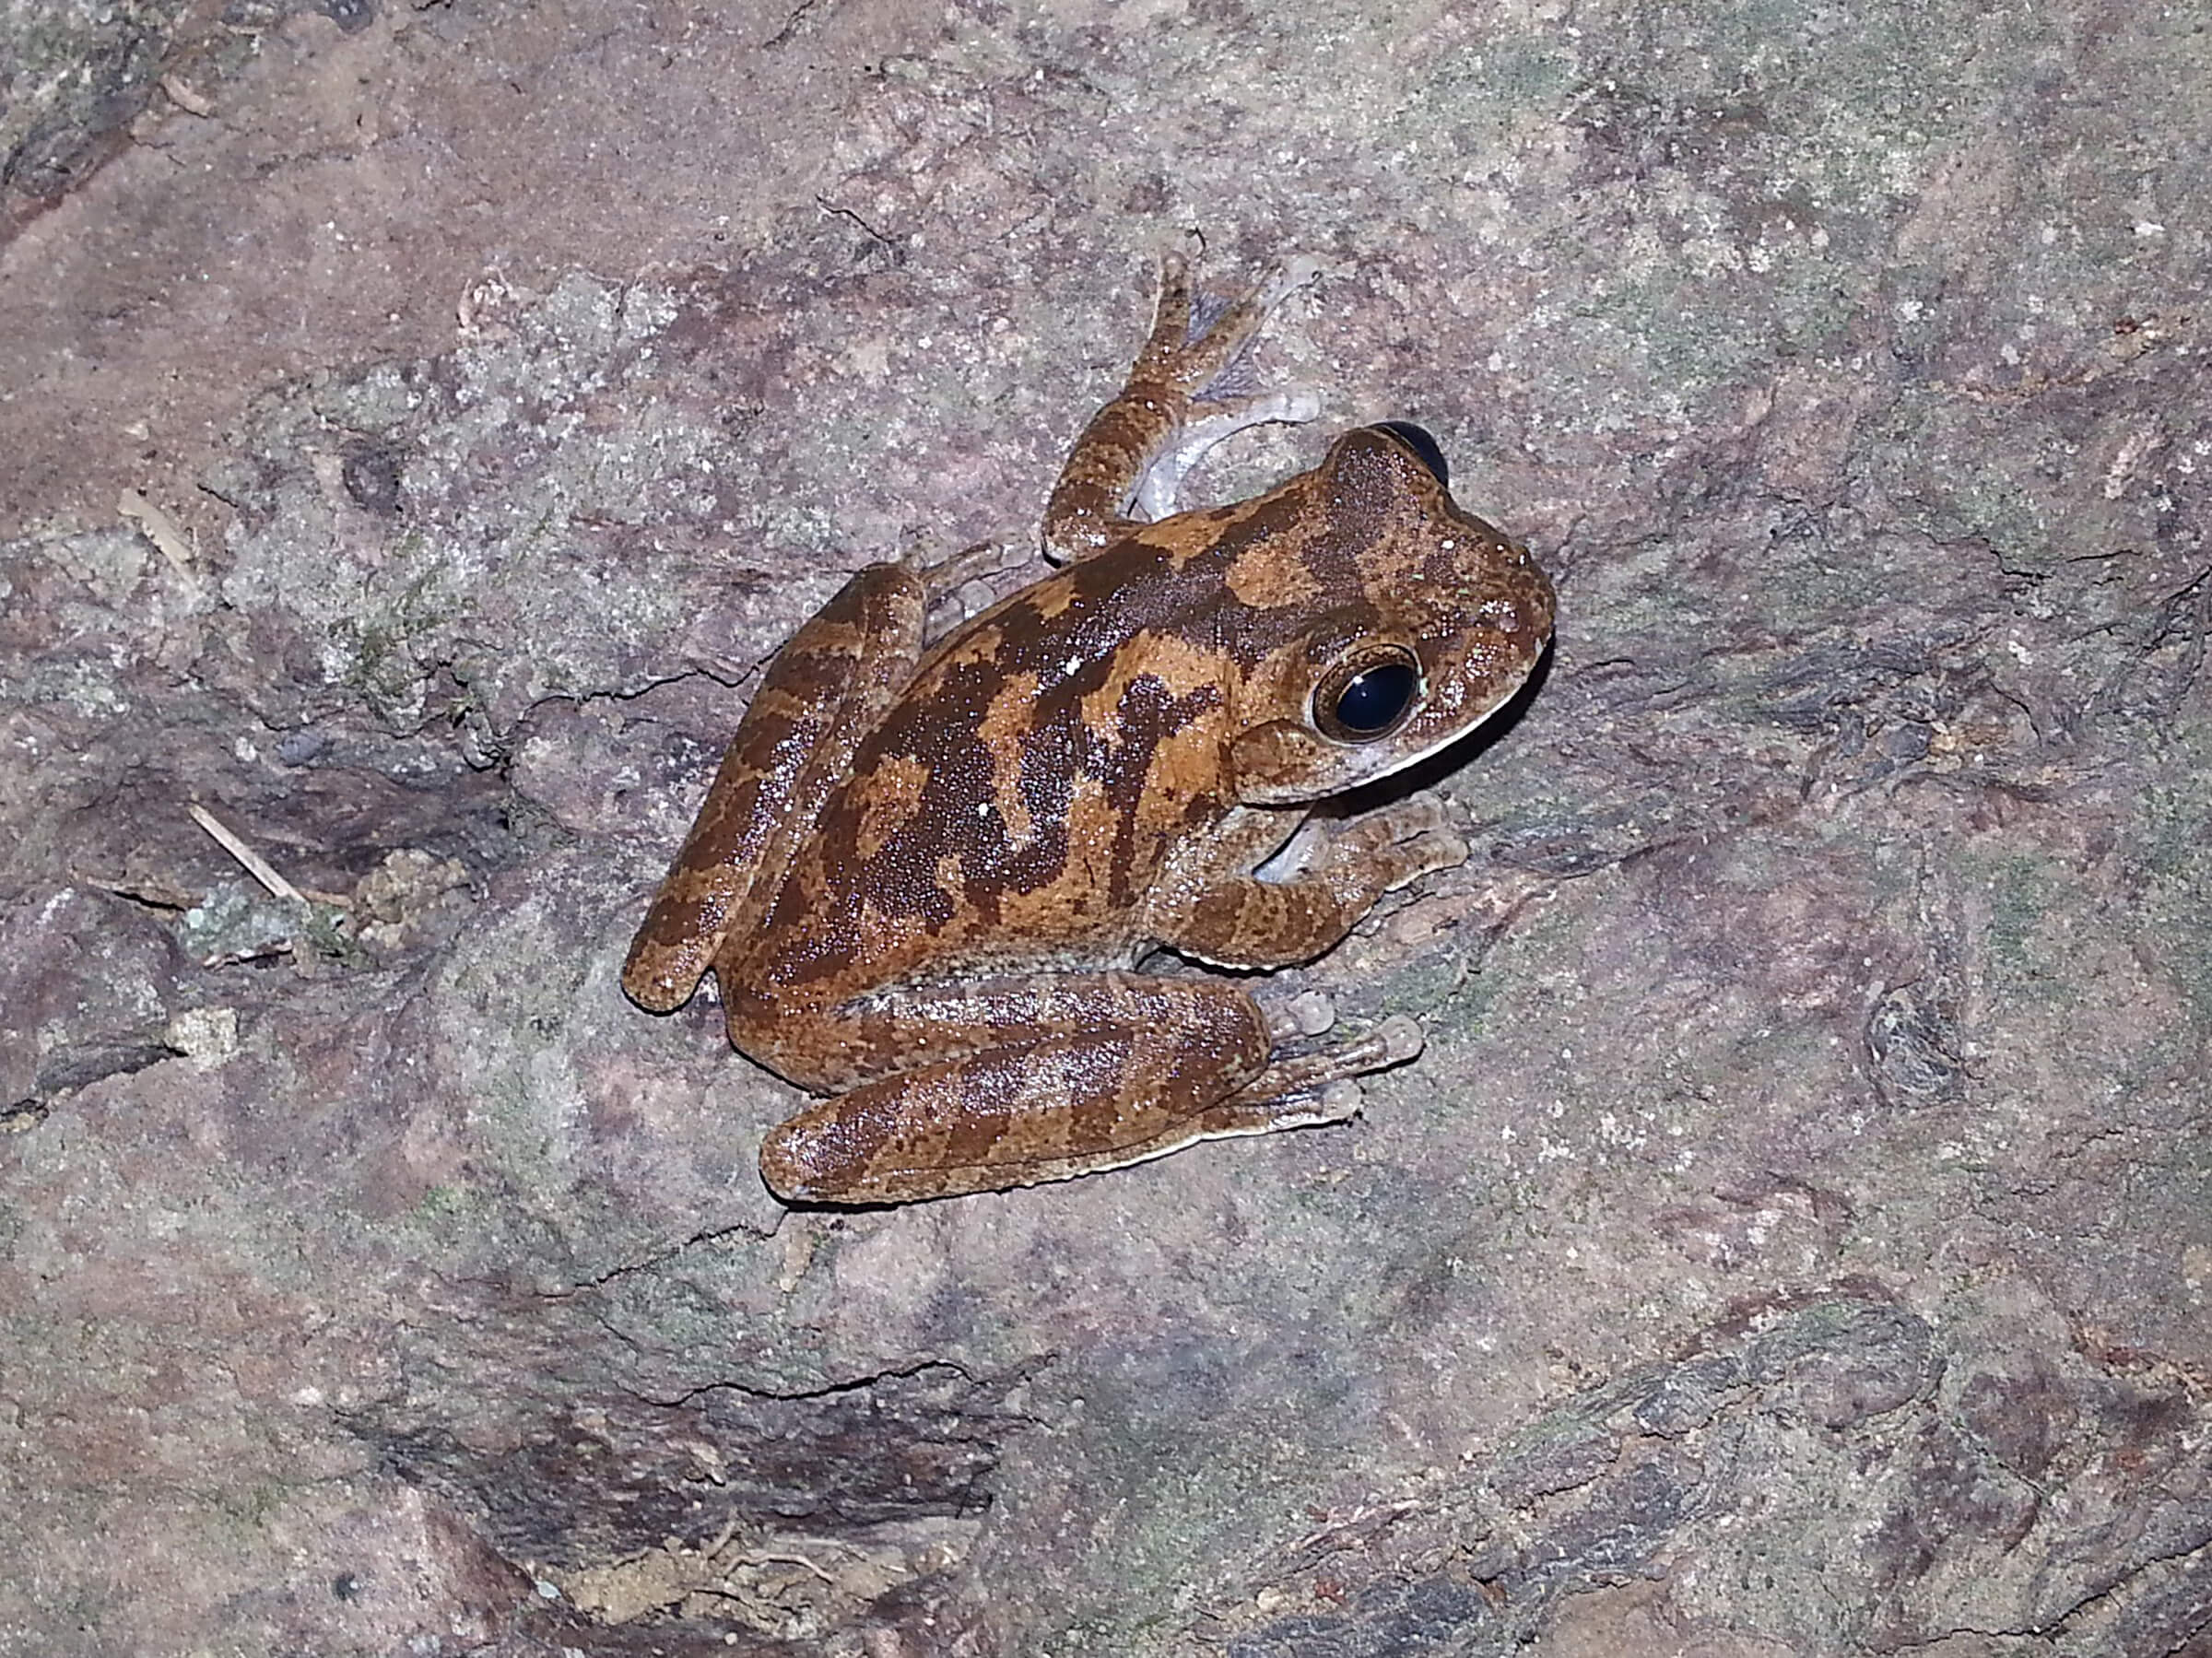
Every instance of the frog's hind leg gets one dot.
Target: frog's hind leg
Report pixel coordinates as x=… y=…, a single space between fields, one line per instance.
x=1021 y=1082
x=820 y=695
x=1081 y=1074
x=1190 y=388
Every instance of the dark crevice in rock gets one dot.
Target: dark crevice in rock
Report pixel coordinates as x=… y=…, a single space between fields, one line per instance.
x=66 y=1069
x=602 y=1480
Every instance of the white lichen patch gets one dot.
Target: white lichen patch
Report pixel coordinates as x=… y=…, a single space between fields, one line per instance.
x=206 y=1036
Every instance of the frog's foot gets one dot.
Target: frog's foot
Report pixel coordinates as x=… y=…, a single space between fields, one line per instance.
x=1306 y=897
x=1314 y=1088
x=959 y=584
x=1421 y=840
x=1211 y=364
x=1201 y=349
x=1192 y=387
x=1401 y=842
x=1201 y=338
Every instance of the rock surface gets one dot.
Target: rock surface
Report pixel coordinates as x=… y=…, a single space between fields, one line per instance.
x=1797 y=1237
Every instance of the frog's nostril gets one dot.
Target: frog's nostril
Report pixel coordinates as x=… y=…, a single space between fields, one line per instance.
x=1424 y=446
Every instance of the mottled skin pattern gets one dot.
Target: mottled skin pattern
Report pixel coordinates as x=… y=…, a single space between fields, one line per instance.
x=922 y=876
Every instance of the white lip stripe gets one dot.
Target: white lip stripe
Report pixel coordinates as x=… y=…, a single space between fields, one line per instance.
x=1442 y=743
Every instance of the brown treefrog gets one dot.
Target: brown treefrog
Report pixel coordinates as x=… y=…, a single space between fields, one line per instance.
x=926 y=873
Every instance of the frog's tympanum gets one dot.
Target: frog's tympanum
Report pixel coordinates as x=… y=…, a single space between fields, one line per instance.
x=926 y=872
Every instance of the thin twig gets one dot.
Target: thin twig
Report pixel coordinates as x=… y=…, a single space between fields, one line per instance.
x=764 y=1557
x=252 y=861
x=161 y=529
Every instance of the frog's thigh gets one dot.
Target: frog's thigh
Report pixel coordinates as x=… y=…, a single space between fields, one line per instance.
x=1041 y=1105
x=822 y=691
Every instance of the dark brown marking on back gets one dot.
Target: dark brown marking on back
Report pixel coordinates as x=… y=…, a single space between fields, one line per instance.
x=1146 y=716
x=939 y=726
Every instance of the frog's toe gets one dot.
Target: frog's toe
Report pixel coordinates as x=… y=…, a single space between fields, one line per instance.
x=1341 y=1099
x=1338 y=1101
x=1303 y=270
x=1309 y=1012
x=975 y=596
x=1425 y=854
x=1400 y=1038
x=1417 y=814
x=945 y=572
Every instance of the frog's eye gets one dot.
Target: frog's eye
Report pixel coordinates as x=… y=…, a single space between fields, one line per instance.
x=1367 y=697
x=1424 y=447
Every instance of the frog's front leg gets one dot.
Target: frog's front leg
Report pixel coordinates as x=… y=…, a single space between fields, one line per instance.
x=1188 y=390
x=1049 y=1078
x=821 y=694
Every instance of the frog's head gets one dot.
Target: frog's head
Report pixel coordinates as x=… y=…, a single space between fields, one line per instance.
x=1411 y=621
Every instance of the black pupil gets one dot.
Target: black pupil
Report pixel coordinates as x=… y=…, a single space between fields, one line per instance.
x=1372 y=700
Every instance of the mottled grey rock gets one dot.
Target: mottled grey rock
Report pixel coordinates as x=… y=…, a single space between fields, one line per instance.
x=1794 y=1241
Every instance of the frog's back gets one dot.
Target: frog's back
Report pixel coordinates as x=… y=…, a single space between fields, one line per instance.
x=1018 y=800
